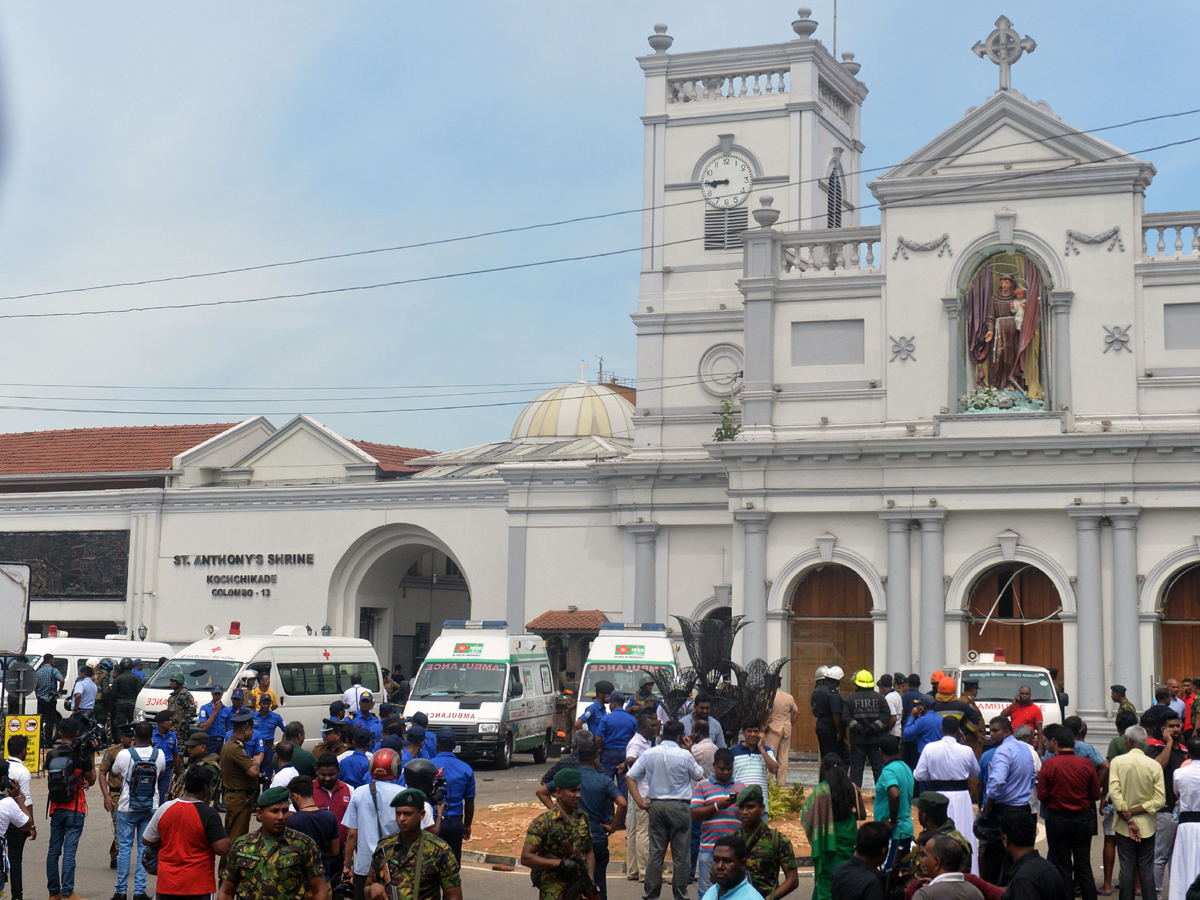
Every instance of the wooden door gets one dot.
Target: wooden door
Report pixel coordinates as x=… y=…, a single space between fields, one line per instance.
x=1023 y=603
x=833 y=626
x=1181 y=627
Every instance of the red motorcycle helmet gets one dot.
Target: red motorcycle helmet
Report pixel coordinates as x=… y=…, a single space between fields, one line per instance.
x=385 y=765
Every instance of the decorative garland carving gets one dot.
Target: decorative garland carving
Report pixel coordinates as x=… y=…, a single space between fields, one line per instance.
x=1112 y=237
x=904 y=348
x=1117 y=338
x=942 y=245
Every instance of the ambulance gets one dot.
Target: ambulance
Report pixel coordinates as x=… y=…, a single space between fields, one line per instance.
x=999 y=682
x=308 y=672
x=622 y=653
x=493 y=688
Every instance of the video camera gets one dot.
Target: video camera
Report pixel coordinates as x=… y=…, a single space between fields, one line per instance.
x=91 y=737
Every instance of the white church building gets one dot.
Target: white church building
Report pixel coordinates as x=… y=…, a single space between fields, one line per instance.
x=973 y=426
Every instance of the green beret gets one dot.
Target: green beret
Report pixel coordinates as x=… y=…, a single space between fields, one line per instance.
x=568 y=778
x=271 y=796
x=931 y=800
x=1119 y=688
x=410 y=797
x=751 y=793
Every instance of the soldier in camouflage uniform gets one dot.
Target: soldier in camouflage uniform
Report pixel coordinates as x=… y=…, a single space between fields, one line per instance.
x=198 y=757
x=931 y=813
x=105 y=698
x=395 y=859
x=1117 y=692
x=276 y=862
x=768 y=851
x=558 y=845
x=181 y=705
x=112 y=783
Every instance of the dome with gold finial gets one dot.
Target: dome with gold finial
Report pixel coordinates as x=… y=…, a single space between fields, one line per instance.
x=573 y=410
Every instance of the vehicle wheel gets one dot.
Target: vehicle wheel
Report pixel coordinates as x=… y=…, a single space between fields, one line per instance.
x=504 y=754
x=542 y=751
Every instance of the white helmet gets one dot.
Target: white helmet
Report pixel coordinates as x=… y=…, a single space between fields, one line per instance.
x=94 y=663
x=835 y=672
x=822 y=673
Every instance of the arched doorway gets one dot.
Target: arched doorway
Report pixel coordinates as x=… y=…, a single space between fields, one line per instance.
x=396 y=587
x=831 y=625
x=1015 y=606
x=1181 y=625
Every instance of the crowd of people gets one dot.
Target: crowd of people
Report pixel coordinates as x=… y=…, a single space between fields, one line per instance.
x=980 y=787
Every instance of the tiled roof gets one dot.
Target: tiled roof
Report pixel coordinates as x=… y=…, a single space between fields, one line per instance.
x=392 y=458
x=565 y=620
x=79 y=451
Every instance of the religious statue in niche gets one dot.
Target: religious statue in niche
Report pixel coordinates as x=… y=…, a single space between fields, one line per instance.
x=1004 y=336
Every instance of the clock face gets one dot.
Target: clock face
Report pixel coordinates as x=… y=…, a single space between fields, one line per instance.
x=726 y=181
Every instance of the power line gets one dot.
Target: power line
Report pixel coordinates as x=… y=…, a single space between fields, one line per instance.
x=556 y=223
x=547 y=262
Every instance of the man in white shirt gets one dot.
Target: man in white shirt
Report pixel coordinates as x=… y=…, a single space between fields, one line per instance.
x=887 y=688
x=941 y=857
x=354 y=693
x=637 y=844
x=668 y=770
x=951 y=768
x=17 y=835
x=137 y=804
x=14 y=814
x=283 y=756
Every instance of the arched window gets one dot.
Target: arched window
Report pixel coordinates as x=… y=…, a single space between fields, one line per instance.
x=834 y=194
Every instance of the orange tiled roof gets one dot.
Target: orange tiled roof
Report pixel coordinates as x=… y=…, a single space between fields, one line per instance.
x=79 y=451
x=565 y=620
x=392 y=458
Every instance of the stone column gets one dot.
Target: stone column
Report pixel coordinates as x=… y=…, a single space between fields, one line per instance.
x=754 y=583
x=761 y=255
x=514 y=607
x=1127 y=665
x=645 y=536
x=899 y=602
x=1090 y=613
x=1060 y=307
x=933 y=588
x=952 y=306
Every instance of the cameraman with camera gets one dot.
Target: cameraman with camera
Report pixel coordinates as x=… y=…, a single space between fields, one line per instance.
x=69 y=773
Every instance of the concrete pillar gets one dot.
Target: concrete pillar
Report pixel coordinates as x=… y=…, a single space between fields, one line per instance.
x=761 y=255
x=1127 y=665
x=1060 y=306
x=899 y=600
x=645 y=546
x=754 y=583
x=1090 y=623
x=951 y=305
x=514 y=607
x=933 y=589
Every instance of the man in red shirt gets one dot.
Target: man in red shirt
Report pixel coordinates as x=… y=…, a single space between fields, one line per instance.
x=333 y=794
x=1023 y=711
x=188 y=835
x=67 y=813
x=1067 y=788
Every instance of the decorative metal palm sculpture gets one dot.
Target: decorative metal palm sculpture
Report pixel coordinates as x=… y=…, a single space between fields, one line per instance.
x=709 y=644
x=674 y=687
x=756 y=685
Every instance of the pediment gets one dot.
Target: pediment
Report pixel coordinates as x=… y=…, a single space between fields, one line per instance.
x=228 y=447
x=304 y=450
x=1011 y=143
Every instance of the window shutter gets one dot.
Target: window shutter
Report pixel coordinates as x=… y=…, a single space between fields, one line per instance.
x=723 y=228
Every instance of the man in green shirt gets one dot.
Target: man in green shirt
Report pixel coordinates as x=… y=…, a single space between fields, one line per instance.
x=558 y=845
x=419 y=865
x=768 y=851
x=304 y=762
x=276 y=862
x=893 y=800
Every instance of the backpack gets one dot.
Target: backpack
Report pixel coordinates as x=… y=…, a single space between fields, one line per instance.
x=143 y=781
x=62 y=783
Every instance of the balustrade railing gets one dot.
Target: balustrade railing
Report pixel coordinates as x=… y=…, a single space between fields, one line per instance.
x=727 y=85
x=1165 y=235
x=832 y=250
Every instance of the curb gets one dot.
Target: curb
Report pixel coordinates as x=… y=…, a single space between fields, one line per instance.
x=495 y=859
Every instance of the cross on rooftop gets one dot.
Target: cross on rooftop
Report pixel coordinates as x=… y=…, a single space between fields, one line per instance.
x=582 y=368
x=1004 y=47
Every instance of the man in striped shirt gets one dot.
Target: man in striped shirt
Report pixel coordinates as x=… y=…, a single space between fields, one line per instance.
x=713 y=806
x=752 y=761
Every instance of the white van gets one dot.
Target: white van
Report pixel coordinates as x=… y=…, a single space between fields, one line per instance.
x=494 y=688
x=307 y=672
x=1000 y=681
x=622 y=653
x=71 y=655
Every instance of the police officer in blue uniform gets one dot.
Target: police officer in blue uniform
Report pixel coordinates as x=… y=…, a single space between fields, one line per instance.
x=213 y=719
x=430 y=739
x=414 y=745
x=460 y=792
x=366 y=718
x=597 y=708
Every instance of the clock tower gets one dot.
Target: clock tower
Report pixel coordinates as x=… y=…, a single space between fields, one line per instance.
x=723 y=129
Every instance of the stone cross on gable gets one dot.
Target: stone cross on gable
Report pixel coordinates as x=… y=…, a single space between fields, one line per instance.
x=1004 y=47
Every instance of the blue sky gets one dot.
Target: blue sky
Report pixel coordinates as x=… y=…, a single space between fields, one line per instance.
x=149 y=140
